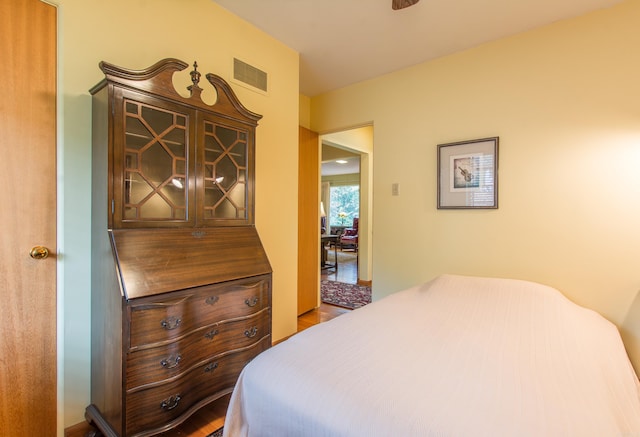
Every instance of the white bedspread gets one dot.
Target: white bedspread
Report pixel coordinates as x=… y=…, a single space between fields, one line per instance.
x=458 y=356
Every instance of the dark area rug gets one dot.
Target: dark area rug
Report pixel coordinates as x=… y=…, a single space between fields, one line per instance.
x=345 y=295
x=218 y=433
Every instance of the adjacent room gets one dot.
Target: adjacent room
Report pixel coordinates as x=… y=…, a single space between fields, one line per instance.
x=340 y=282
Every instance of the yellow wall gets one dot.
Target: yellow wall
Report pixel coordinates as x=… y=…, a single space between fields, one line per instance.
x=135 y=34
x=305 y=111
x=564 y=101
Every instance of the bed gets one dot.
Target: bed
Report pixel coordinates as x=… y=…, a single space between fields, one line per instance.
x=457 y=356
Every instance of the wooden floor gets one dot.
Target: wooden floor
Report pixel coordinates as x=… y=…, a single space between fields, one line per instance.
x=209 y=420
x=347 y=267
x=319 y=315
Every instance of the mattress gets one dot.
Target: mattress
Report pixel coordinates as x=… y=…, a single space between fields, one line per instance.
x=457 y=356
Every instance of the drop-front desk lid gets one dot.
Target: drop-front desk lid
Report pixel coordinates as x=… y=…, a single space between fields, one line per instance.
x=154 y=261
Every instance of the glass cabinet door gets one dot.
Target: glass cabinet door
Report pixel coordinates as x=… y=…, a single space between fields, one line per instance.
x=155 y=164
x=225 y=181
x=180 y=166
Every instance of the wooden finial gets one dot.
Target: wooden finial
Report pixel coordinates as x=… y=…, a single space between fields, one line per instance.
x=194 y=89
x=195 y=74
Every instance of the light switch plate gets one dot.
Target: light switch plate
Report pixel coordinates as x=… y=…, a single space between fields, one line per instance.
x=395 y=189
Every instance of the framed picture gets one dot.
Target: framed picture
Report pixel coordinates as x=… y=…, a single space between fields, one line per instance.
x=468 y=174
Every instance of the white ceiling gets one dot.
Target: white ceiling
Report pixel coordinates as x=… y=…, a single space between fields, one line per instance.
x=349 y=161
x=342 y=42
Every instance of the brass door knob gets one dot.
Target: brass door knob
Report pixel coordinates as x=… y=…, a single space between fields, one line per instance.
x=39 y=252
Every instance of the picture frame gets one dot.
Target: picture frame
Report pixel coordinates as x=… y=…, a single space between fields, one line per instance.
x=468 y=174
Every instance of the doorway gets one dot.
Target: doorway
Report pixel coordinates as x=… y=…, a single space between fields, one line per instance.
x=346 y=166
x=360 y=142
x=340 y=212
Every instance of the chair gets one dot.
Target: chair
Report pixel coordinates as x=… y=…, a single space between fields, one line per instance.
x=349 y=238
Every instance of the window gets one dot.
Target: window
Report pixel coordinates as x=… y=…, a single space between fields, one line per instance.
x=345 y=205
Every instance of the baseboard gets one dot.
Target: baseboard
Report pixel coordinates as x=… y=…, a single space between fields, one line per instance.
x=364 y=283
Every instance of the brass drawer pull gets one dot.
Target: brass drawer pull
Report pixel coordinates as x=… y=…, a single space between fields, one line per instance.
x=250 y=333
x=211 y=334
x=171 y=403
x=171 y=362
x=171 y=323
x=252 y=302
x=212 y=300
x=211 y=367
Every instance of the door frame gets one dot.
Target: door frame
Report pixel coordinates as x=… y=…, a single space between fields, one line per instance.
x=359 y=139
x=308 y=221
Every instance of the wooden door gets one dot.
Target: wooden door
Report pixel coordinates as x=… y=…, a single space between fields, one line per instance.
x=308 y=220
x=27 y=218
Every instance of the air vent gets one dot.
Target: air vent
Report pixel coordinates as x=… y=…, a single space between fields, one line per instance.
x=249 y=75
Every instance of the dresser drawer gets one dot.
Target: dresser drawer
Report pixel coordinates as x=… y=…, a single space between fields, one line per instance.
x=160 y=363
x=146 y=408
x=163 y=319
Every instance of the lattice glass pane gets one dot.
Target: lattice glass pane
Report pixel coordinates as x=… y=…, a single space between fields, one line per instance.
x=208 y=174
x=138 y=135
x=160 y=121
x=226 y=136
x=155 y=159
x=157 y=164
x=212 y=155
x=174 y=140
x=212 y=195
x=131 y=107
x=227 y=169
x=131 y=161
x=239 y=154
x=237 y=196
x=226 y=209
x=181 y=167
x=156 y=207
x=130 y=213
x=174 y=193
x=136 y=188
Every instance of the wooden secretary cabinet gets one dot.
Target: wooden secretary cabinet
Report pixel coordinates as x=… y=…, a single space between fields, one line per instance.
x=181 y=285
